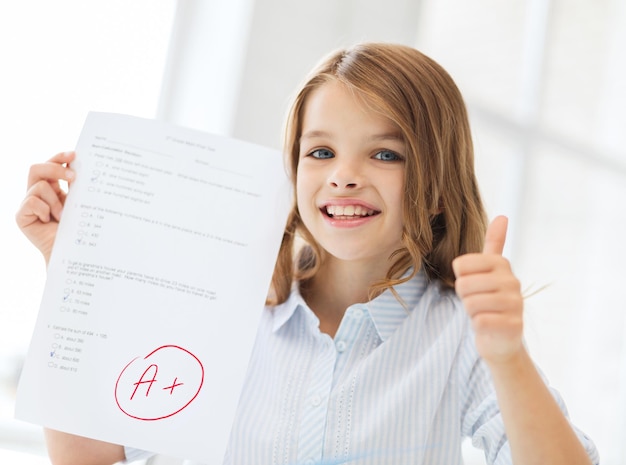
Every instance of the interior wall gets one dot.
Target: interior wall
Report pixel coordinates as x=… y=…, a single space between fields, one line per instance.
x=233 y=66
x=287 y=40
x=207 y=51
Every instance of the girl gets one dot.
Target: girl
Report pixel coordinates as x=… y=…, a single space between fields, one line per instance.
x=396 y=329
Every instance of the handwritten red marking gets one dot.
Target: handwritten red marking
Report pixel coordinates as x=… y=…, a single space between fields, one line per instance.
x=174 y=384
x=141 y=381
x=152 y=406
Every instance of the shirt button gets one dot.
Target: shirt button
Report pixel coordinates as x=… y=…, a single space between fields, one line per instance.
x=316 y=400
x=309 y=462
x=341 y=346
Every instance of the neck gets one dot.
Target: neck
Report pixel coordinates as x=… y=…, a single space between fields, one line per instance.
x=337 y=285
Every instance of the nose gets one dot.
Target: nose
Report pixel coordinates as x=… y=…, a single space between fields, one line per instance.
x=345 y=175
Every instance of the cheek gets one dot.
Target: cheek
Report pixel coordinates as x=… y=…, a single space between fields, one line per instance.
x=303 y=193
x=395 y=190
x=397 y=200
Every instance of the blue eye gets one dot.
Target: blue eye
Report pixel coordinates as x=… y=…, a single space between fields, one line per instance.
x=387 y=155
x=322 y=154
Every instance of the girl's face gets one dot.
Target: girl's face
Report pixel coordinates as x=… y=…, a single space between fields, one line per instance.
x=350 y=177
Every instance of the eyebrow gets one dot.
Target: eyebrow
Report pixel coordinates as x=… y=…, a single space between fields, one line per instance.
x=387 y=136
x=396 y=136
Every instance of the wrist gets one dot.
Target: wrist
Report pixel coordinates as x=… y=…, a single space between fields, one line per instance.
x=514 y=362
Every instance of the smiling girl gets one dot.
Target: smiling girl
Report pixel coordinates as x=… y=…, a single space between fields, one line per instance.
x=396 y=330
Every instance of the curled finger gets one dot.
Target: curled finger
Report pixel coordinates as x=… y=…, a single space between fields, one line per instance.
x=52 y=171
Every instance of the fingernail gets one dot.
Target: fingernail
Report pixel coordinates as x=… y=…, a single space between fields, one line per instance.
x=69 y=175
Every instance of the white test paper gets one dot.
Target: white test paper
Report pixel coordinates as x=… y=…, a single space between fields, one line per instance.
x=156 y=283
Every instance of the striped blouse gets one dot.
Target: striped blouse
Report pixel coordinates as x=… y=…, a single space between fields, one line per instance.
x=398 y=384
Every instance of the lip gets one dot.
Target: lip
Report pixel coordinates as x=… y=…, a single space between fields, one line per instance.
x=347 y=201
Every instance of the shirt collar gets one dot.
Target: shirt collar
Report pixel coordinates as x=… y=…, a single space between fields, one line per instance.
x=388 y=313
x=385 y=310
x=283 y=312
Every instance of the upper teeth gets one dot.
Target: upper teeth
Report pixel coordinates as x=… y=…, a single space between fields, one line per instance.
x=348 y=210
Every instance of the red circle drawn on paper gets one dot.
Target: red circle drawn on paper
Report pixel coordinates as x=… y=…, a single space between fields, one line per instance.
x=117 y=401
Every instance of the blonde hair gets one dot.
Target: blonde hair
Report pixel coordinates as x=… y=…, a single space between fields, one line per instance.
x=443 y=212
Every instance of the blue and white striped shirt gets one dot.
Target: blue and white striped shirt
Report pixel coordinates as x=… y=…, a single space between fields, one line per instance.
x=397 y=385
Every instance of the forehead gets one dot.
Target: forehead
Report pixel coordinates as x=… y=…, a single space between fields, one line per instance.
x=334 y=103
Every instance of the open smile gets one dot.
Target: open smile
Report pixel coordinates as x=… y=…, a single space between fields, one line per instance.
x=348 y=212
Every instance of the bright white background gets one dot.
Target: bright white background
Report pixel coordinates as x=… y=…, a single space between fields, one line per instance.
x=60 y=60
x=544 y=81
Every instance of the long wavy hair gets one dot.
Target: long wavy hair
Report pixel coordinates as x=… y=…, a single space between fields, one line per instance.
x=443 y=213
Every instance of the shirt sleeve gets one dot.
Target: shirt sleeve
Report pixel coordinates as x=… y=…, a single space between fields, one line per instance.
x=133 y=455
x=481 y=419
x=585 y=440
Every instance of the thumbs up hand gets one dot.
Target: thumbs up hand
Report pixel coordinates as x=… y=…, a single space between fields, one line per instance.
x=492 y=297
